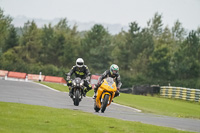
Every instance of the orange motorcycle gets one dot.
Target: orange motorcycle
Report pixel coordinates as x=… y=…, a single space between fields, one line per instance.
x=105 y=94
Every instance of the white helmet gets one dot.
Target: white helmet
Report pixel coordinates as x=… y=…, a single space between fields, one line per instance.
x=79 y=62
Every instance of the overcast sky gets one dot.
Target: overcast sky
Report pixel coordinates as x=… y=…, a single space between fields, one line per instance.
x=108 y=11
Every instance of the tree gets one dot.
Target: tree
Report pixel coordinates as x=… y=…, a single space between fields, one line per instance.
x=143 y=50
x=192 y=44
x=198 y=35
x=12 y=39
x=119 y=51
x=165 y=37
x=57 y=49
x=128 y=48
x=61 y=52
x=10 y=60
x=159 y=63
x=187 y=62
x=155 y=25
x=72 y=48
x=62 y=26
x=135 y=42
x=132 y=40
x=5 y=23
x=47 y=40
x=30 y=43
x=97 y=48
x=178 y=32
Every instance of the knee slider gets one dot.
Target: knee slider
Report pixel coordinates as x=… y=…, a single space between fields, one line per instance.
x=89 y=87
x=69 y=83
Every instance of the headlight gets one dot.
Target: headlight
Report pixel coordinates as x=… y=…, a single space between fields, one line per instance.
x=81 y=83
x=74 y=83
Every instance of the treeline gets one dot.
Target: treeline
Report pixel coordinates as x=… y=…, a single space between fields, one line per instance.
x=155 y=54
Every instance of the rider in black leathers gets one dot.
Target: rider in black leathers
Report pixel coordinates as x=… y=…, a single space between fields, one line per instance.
x=113 y=73
x=80 y=70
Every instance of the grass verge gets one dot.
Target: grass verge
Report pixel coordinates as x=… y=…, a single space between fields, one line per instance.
x=156 y=105
x=162 y=106
x=22 y=118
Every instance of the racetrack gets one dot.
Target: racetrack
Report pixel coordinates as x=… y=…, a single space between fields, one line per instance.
x=36 y=94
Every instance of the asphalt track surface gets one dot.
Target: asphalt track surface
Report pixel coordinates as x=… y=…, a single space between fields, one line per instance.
x=37 y=94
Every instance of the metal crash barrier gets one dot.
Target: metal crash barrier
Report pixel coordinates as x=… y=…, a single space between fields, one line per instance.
x=180 y=93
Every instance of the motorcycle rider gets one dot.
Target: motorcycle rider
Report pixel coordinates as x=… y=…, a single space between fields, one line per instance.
x=113 y=73
x=80 y=70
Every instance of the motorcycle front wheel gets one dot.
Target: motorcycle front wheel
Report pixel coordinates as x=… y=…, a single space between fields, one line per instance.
x=104 y=103
x=77 y=95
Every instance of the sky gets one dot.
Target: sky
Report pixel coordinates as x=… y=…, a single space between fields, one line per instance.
x=108 y=11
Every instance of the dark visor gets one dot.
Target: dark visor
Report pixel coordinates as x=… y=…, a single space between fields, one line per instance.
x=115 y=71
x=80 y=63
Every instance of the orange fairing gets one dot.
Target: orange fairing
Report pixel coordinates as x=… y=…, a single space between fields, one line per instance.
x=107 y=87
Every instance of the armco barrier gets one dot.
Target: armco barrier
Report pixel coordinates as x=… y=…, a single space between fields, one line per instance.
x=3 y=73
x=10 y=75
x=17 y=75
x=180 y=93
x=35 y=77
x=55 y=79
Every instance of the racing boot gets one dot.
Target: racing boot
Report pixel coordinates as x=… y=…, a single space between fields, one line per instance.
x=95 y=95
x=95 y=92
x=70 y=92
x=84 y=92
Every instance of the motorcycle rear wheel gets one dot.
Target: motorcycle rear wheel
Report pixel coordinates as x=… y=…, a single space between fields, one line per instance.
x=104 y=103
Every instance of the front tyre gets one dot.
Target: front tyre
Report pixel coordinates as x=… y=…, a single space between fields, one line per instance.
x=77 y=95
x=104 y=103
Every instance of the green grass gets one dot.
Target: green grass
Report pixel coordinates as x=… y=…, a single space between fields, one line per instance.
x=156 y=105
x=22 y=118
x=162 y=106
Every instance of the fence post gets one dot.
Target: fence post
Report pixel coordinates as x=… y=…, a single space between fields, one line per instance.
x=40 y=77
x=6 y=76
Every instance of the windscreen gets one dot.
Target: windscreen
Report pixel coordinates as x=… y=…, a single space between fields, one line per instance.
x=110 y=81
x=94 y=81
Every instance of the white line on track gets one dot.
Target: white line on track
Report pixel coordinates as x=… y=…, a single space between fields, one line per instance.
x=127 y=107
x=46 y=87
x=90 y=98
